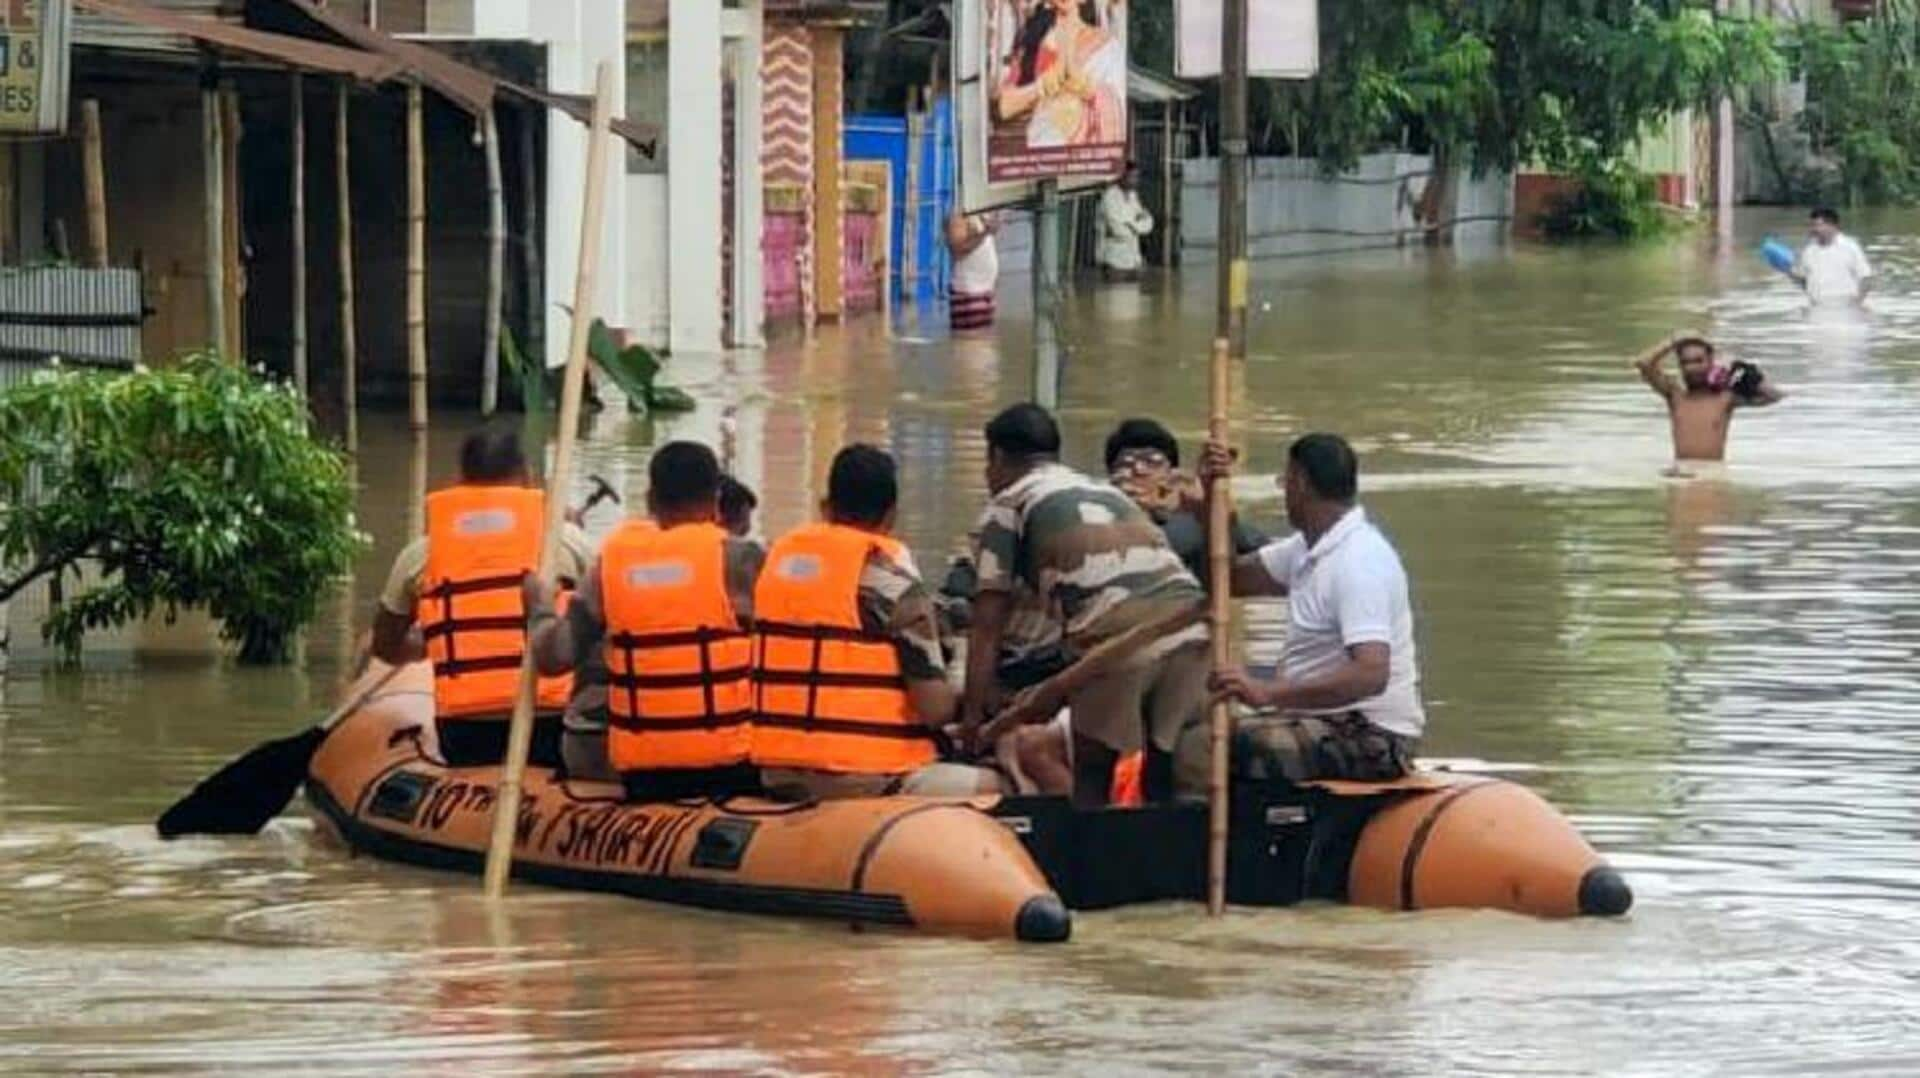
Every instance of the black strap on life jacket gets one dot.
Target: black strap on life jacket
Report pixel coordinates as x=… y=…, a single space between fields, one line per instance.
x=451 y=627
x=815 y=679
x=624 y=676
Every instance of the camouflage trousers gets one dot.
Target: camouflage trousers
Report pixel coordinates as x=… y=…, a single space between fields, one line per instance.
x=1300 y=748
x=1297 y=748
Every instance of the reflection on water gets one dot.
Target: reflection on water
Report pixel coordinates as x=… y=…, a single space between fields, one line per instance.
x=1715 y=677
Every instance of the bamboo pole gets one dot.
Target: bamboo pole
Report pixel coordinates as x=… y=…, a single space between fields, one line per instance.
x=1220 y=592
x=910 y=211
x=343 y=189
x=530 y=282
x=416 y=259
x=298 y=90
x=230 y=230
x=506 y=809
x=215 y=237
x=96 y=182
x=496 y=267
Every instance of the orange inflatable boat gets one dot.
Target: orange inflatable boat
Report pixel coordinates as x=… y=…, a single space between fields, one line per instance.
x=990 y=867
x=941 y=866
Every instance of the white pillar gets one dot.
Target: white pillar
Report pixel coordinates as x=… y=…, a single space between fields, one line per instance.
x=693 y=176
x=749 y=296
x=579 y=35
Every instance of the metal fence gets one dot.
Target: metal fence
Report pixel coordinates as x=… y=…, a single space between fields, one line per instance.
x=84 y=316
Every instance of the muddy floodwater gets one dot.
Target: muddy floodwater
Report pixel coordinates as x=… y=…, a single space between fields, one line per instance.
x=1716 y=679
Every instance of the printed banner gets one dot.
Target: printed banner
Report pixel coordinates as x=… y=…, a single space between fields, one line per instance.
x=1054 y=73
x=34 y=65
x=1283 y=39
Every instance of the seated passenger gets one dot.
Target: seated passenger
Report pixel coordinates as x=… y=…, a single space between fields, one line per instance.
x=454 y=597
x=1347 y=702
x=852 y=684
x=668 y=603
x=737 y=503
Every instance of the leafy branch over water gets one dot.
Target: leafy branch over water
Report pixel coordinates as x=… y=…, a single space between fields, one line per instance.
x=194 y=486
x=634 y=368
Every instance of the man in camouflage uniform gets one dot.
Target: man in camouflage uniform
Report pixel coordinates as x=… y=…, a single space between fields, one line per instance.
x=1101 y=567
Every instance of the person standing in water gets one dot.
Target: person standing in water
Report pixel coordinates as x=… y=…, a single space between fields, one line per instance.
x=1701 y=401
x=1123 y=220
x=1832 y=267
x=976 y=271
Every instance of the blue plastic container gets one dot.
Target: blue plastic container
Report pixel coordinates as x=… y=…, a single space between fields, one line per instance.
x=1777 y=254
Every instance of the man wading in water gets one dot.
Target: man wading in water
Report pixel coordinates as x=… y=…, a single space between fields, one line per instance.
x=1702 y=400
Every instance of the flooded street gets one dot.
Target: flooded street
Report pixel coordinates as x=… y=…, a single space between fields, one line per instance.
x=1715 y=679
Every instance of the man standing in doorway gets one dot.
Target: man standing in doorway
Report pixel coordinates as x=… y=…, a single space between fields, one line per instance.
x=1832 y=267
x=1348 y=695
x=1123 y=220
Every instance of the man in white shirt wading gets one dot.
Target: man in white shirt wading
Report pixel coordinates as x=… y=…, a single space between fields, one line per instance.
x=1348 y=695
x=1832 y=267
x=1123 y=220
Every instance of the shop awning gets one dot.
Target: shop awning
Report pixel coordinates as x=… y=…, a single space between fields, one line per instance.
x=281 y=48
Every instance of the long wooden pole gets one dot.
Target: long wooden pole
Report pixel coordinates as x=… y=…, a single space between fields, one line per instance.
x=496 y=267
x=232 y=278
x=1220 y=589
x=96 y=182
x=297 y=87
x=416 y=259
x=343 y=189
x=506 y=808
x=535 y=344
x=212 y=174
x=1232 y=241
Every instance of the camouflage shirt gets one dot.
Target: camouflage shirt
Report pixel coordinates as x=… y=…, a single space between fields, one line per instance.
x=895 y=602
x=1095 y=559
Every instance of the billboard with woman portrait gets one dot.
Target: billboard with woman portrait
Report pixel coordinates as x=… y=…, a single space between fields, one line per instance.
x=1054 y=73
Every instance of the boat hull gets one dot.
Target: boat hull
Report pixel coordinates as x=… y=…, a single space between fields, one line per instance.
x=986 y=867
x=938 y=866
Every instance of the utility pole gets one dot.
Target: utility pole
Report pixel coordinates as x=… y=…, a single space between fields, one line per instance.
x=1723 y=151
x=1232 y=325
x=1046 y=296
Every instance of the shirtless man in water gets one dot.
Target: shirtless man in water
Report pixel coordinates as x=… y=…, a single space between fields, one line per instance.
x=1702 y=400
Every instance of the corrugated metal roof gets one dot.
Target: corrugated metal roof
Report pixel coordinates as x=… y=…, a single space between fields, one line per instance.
x=1155 y=88
x=468 y=87
x=292 y=51
x=107 y=31
x=374 y=57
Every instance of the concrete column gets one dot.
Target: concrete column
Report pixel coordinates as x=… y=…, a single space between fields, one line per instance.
x=693 y=177
x=1723 y=154
x=828 y=95
x=749 y=292
x=579 y=35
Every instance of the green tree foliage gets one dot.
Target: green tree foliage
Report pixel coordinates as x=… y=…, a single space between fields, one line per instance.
x=194 y=486
x=1611 y=200
x=1491 y=82
x=1863 y=103
x=634 y=368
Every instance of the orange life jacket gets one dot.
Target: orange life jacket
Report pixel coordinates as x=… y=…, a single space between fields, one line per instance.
x=1127 y=791
x=679 y=665
x=829 y=694
x=480 y=541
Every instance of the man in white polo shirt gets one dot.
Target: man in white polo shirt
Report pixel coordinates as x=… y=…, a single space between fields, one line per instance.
x=1348 y=694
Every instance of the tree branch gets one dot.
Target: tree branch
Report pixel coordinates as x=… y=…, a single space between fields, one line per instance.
x=54 y=562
